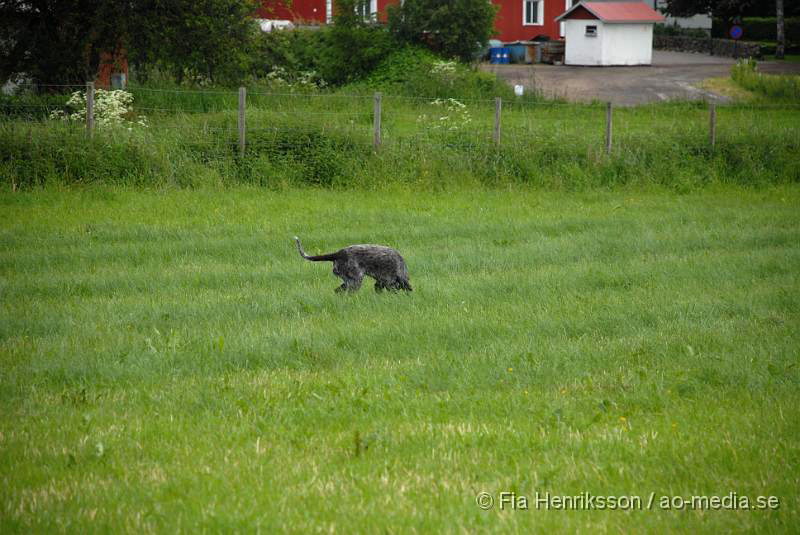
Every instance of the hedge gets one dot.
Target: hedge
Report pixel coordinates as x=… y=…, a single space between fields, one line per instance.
x=759 y=29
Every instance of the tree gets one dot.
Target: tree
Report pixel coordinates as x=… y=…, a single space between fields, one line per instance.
x=55 y=41
x=61 y=41
x=781 y=33
x=201 y=39
x=354 y=44
x=725 y=9
x=730 y=9
x=456 y=28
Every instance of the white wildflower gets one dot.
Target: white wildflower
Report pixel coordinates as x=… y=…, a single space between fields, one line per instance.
x=444 y=67
x=111 y=108
x=457 y=115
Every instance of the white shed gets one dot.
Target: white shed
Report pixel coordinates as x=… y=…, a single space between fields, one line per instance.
x=609 y=33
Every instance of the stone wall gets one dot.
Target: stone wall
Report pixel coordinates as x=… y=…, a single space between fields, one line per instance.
x=721 y=47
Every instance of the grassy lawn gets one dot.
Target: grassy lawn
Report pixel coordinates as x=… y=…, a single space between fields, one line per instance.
x=168 y=362
x=725 y=86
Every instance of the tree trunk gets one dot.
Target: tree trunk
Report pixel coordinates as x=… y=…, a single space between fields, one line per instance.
x=781 y=33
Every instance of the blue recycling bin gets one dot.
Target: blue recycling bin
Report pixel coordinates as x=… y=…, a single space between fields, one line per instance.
x=517 y=50
x=499 y=55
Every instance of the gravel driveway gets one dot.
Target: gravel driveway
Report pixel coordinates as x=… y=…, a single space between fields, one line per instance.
x=673 y=75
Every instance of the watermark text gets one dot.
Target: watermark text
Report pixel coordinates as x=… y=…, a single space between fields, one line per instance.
x=587 y=501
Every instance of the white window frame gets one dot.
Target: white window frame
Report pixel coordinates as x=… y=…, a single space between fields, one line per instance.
x=539 y=13
x=593 y=33
x=373 y=11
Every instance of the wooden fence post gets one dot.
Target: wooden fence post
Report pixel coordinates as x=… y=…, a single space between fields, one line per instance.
x=608 y=128
x=376 y=122
x=498 y=108
x=242 y=99
x=712 y=126
x=90 y=108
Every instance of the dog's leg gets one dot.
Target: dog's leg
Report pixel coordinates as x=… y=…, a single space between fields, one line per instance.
x=398 y=284
x=349 y=285
x=353 y=284
x=351 y=278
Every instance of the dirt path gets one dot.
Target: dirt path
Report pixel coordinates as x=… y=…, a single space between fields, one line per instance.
x=673 y=75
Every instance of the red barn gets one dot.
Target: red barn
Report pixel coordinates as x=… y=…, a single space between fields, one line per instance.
x=515 y=20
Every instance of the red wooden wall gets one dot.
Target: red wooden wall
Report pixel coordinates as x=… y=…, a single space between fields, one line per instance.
x=509 y=22
x=297 y=10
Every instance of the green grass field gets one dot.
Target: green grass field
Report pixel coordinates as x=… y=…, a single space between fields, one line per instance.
x=168 y=362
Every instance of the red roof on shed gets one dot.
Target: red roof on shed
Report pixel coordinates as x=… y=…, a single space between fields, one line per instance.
x=617 y=12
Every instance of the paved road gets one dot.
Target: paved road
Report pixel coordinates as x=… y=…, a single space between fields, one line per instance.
x=673 y=75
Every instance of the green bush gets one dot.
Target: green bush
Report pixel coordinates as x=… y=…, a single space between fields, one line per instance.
x=454 y=29
x=308 y=155
x=398 y=66
x=784 y=87
x=295 y=51
x=61 y=154
x=759 y=29
x=337 y=54
x=30 y=105
x=415 y=71
x=672 y=30
x=352 y=46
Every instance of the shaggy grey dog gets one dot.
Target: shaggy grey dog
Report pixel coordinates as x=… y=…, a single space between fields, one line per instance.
x=350 y=264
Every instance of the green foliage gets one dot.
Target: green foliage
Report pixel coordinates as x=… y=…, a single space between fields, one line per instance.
x=674 y=30
x=454 y=29
x=58 y=41
x=725 y=9
x=415 y=71
x=111 y=108
x=400 y=65
x=352 y=46
x=760 y=29
x=343 y=52
x=301 y=154
x=198 y=41
x=62 y=154
x=774 y=86
x=295 y=51
x=327 y=141
x=30 y=104
x=61 y=41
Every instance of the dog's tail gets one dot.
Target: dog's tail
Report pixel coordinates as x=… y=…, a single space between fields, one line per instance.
x=320 y=258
